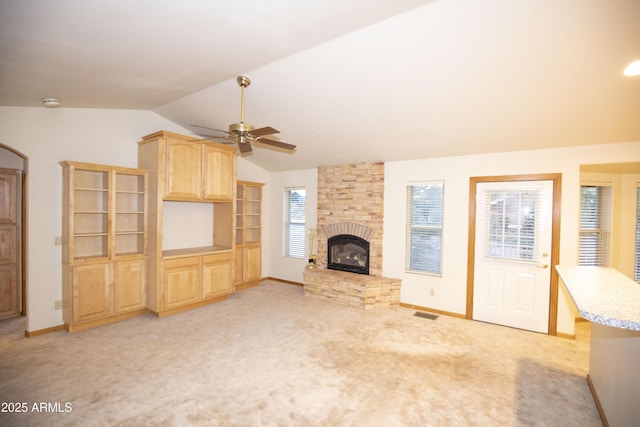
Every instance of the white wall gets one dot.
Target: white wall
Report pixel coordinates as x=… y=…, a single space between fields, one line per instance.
x=46 y=137
x=278 y=265
x=450 y=289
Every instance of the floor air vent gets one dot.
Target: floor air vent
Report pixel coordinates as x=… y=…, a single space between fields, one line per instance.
x=426 y=315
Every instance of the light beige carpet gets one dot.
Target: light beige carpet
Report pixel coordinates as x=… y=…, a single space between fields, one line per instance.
x=269 y=356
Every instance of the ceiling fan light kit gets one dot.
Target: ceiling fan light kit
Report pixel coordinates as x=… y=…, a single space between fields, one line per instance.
x=244 y=133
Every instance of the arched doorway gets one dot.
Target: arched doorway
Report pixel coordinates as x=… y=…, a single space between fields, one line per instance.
x=13 y=266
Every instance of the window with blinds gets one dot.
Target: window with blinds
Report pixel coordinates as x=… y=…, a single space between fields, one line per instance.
x=511 y=224
x=425 y=215
x=636 y=270
x=596 y=206
x=295 y=222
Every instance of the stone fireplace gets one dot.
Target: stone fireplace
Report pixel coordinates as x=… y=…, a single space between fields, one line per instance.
x=351 y=201
x=350 y=227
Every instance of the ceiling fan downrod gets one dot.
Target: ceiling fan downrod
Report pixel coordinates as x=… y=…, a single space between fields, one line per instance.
x=241 y=128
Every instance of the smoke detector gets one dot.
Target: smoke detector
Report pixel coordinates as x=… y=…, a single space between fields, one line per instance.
x=51 y=102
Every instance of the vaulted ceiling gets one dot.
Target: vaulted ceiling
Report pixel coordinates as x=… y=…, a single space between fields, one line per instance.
x=344 y=80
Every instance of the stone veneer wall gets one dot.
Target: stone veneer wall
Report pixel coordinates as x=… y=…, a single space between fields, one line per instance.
x=352 y=194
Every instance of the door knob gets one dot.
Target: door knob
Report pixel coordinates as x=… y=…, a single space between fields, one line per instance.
x=543 y=265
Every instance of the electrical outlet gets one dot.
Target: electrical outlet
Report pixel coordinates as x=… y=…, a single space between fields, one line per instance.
x=432 y=292
x=57 y=305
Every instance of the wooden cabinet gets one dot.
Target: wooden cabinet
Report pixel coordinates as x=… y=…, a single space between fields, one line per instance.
x=130 y=285
x=186 y=170
x=197 y=170
x=248 y=234
x=217 y=275
x=219 y=173
x=194 y=279
x=91 y=290
x=182 y=281
x=104 y=236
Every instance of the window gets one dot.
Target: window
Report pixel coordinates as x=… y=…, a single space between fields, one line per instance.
x=295 y=222
x=511 y=223
x=595 y=225
x=636 y=270
x=425 y=211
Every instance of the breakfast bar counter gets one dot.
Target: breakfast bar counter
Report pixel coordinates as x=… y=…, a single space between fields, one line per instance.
x=611 y=302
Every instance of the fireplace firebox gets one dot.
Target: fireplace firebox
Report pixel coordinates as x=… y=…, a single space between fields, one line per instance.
x=348 y=253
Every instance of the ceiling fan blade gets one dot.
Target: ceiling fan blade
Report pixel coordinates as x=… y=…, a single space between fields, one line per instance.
x=245 y=147
x=278 y=144
x=206 y=127
x=221 y=139
x=268 y=130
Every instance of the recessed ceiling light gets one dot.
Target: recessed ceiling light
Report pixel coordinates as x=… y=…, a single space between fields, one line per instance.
x=51 y=102
x=632 y=69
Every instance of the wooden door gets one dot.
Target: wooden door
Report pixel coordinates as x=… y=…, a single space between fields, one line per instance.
x=218 y=173
x=9 y=244
x=512 y=255
x=182 y=281
x=216 y=275
x=184 y=170
x=90 y=285
x=130 y=285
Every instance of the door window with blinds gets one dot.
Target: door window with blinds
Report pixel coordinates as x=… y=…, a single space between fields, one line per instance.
x=295 y=199
x=425 y=214
x=596 y=206
x=511 y=223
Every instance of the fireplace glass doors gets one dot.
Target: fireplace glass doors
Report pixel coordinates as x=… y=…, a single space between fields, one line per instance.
x=348 y=253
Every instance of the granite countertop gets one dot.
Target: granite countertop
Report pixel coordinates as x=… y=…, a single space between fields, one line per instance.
x=603 y=295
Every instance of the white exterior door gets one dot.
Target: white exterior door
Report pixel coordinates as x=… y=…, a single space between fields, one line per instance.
x=512 y=273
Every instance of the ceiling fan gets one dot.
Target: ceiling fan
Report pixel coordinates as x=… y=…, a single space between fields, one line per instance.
x=243 y=133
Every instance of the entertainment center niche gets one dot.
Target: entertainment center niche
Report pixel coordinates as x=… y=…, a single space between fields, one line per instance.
x=191 y=247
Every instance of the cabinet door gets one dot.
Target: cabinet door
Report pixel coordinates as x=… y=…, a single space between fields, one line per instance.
x=182 y=281
x=184 y=170
x=130 y=285
x=216 y=271
x=90 y=285
x=238 y=276
x=253 y=263
x=218 y=173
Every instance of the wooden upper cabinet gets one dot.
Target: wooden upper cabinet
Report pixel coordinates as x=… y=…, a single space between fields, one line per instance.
x=219 y=172
x=199 y=171
x=184 y=170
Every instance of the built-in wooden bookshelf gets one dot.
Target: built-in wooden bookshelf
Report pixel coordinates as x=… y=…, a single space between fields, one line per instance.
x=104 y=236
x=248 y=259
